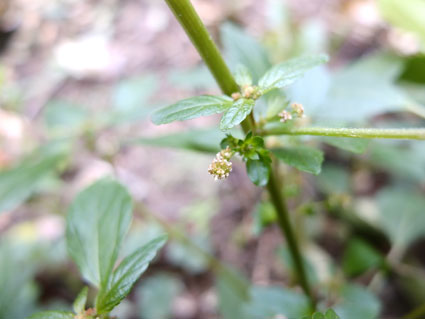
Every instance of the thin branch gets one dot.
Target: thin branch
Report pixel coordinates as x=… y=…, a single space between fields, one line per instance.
x=402 y=133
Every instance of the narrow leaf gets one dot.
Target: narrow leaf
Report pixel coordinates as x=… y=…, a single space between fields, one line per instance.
x=236 y=113
x=304 y=158
x=191 y=108
x=288 y=72
x=80 y=302
x=52 y=315
x=97 y=221
x=127 y=274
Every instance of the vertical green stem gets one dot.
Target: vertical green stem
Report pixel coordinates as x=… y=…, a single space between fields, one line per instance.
x=195 y=29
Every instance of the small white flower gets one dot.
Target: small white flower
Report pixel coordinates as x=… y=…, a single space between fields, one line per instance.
x=221 y=167
x=285 y=116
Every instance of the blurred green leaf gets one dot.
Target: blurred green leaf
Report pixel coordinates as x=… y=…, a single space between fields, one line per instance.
x=124 y=277
x=304 y=158
x=233 y=292
x=198 y=77
x=318 y=315
x=357 y=302
x=331 y=314
x=363 y=90
x=334 y=179
x=18 y=292
x=63 y=117
x=258 y=171
x=132 y=93
x=402 y=215
x=53 y=315
x=354 y=145
x=183 y=256
x=271 y=302
x=97 y=222
x=243 y=76
x=286 y=257
x=79 y=304
x=156 y=295
x=404 y=161
x=406 y=14
x=191 y=108
x=241 y=48
x=414 y=69
x=197 y=140
x=286 y=73
x=235 y=114
x=19 y=183
x=359 y=257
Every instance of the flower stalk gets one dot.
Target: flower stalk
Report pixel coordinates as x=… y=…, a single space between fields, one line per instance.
x=195 y=29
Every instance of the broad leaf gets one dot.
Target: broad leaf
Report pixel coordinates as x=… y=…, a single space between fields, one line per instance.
x=79 y=304
x=20 y=182
x=97 y=222
x=357 y=302
x=236 y=113
x=191 y=108
x=53 y=315
x=157 y=295
x=288 y=72
x=402 y=215
x=242 y=75
x=241 y=48
x=304 y=158
x=126 y=275
x=355 y=145
x=359 y=257
x=258 y=171
x=272 y=302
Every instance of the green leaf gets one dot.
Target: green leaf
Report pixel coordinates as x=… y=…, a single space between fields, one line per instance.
x=52 y=315
x=304 y=158
x=355 y=145
x=127 y=273
x=331 y=314
x=97 y=222
x=207 y=140
x=359 y=257
x=363 y=90
x=132 y=93
x=402 y=215
x=233 y=293
x=236 y=113
x=191 y=108
x=272 y=302
x=241 y=48
x=64 y=118
x=288 y=72
x=334 y=179
x=318 y=315
x=258 y=171
x=357 y=303
x=243 y=76
x=19 y=183
x=157 y=294
x=79 y=304
x=407 y=15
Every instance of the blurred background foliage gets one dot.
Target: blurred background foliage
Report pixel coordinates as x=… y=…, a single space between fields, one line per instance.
x=78 y=80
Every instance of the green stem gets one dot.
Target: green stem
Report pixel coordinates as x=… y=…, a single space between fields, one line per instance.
x=403 y=133
x=279 y=202
x=195 y=29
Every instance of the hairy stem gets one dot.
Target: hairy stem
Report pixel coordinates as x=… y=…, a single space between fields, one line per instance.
x=195 y=29
x=402 y=133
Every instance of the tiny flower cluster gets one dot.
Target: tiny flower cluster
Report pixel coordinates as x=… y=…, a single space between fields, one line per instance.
x=297 y=111
x=221 y=166
x=247 y=92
